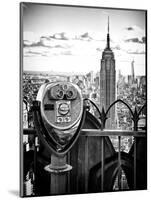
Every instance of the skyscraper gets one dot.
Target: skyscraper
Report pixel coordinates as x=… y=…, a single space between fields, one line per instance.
x=133 y=74
x=108 y=82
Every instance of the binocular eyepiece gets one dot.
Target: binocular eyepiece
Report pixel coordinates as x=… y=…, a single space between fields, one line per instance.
x=62 y=91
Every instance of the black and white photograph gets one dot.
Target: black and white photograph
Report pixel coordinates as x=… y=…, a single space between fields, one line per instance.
x=83 y=99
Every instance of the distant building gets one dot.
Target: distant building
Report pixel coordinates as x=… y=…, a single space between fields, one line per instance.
x=130 y=80
x=108 y=82
x=133 y=73
x=25 y=114
x=96 y=81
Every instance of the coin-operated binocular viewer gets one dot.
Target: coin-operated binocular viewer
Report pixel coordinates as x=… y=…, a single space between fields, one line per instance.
x=58 y=117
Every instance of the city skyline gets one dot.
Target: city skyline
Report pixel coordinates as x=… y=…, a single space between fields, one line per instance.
x=52 y=43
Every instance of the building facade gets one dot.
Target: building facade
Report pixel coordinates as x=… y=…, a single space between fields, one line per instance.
x=108 y=82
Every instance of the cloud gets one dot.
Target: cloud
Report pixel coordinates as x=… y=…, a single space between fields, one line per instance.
x=85 y=37
x=129 y=28
x=143 y=39
x=27 y=43
x=45 y=38
x=34 y=44
x=46 y=42
x=117 y=47
x=99 y=49
x=31 y=53
x=133 y=46
x=58 y=44
x=60 y=36
x=132 y=40
x=136 y=52
x=137 y=40
x=67 y=53
x=39 y=43
x=133 y=34
x=85 y=44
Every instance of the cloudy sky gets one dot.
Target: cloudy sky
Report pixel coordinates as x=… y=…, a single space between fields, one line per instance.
x=63 y=39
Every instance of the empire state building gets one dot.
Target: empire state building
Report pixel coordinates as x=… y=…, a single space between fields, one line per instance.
x=108 y=82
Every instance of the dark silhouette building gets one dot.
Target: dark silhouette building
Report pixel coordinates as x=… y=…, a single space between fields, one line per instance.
x=108 y=81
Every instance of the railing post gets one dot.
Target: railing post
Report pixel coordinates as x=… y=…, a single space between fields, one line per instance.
x=102 y=164
x=35 y=163
x=135 y=120
x=86 y=164
x=58 y=170
x=103 y=120
x=135 y=171
x=68 y=174
x=119 y=162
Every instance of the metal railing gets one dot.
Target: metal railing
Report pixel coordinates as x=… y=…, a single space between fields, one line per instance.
x=102 y=133
x=103 y=116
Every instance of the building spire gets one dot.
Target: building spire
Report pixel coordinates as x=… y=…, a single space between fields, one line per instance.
x=108 y=35
x=108 y=25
